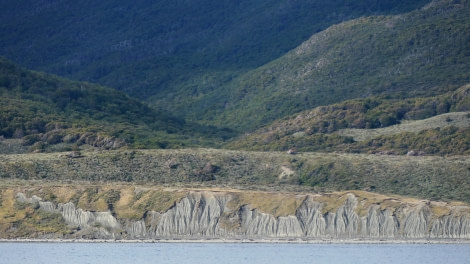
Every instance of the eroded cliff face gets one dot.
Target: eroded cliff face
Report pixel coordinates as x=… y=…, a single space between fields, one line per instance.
x=206 y=214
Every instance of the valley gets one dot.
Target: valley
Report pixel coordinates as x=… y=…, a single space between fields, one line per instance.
x=272 y=120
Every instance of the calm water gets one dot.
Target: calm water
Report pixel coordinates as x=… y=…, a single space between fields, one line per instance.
x=231 y=253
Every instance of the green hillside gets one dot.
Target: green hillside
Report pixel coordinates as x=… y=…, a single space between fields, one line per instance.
x=167 y=48
x=421 y=53
x=123 y=108
x=428 y=125
x=50 y=113
x=407 y=66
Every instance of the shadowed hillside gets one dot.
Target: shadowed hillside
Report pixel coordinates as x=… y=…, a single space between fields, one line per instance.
x=421 y=53
x=168 y=48
x=46 y=112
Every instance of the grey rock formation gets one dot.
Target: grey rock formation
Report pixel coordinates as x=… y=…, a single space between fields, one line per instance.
x=311 y=219
x=258 y=224
x=195 y=215
x=379 y=223
x=456 y=225
x=103 y=224
x=136 y=229
x=207 y=215
x=20 y=197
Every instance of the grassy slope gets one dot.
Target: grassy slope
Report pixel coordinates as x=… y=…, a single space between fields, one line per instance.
x=438 y=178
x=49 y=110
x=421 y=53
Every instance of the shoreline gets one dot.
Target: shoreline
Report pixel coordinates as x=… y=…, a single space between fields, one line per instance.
x=245 y=241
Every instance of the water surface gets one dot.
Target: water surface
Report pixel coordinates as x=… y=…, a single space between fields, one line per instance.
x=228 y=253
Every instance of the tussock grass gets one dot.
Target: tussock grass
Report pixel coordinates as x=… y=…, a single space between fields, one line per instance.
x=64 y=194
x=331 y=202
x=24 y=220
x=8 y=212
x=92 y=200
x=133 y=202
x=440 y=210
x=276 y=204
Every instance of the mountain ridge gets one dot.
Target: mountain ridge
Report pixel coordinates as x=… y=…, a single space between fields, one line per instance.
x=148 y=46
x=408 y=55
x=420 y=50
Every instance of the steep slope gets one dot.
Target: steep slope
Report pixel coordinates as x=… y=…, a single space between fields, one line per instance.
x=124 y=212
x=421 y=53
x=168 y=48
x=46 y=111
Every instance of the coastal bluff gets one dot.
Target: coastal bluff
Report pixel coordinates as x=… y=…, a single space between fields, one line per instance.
x=233 y=214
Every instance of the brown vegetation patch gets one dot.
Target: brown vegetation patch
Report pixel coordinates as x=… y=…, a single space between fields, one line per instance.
x=277 y=204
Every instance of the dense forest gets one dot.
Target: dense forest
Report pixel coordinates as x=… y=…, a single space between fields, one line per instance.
x=45 y=110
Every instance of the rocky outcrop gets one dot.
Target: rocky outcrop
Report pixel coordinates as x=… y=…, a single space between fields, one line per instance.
x=195 y=215
x=203 y=214
x=101 y=224
x=379 y=223
x=451 y=226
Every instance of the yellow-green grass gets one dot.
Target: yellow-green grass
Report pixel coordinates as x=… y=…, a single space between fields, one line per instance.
x=276 y=204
